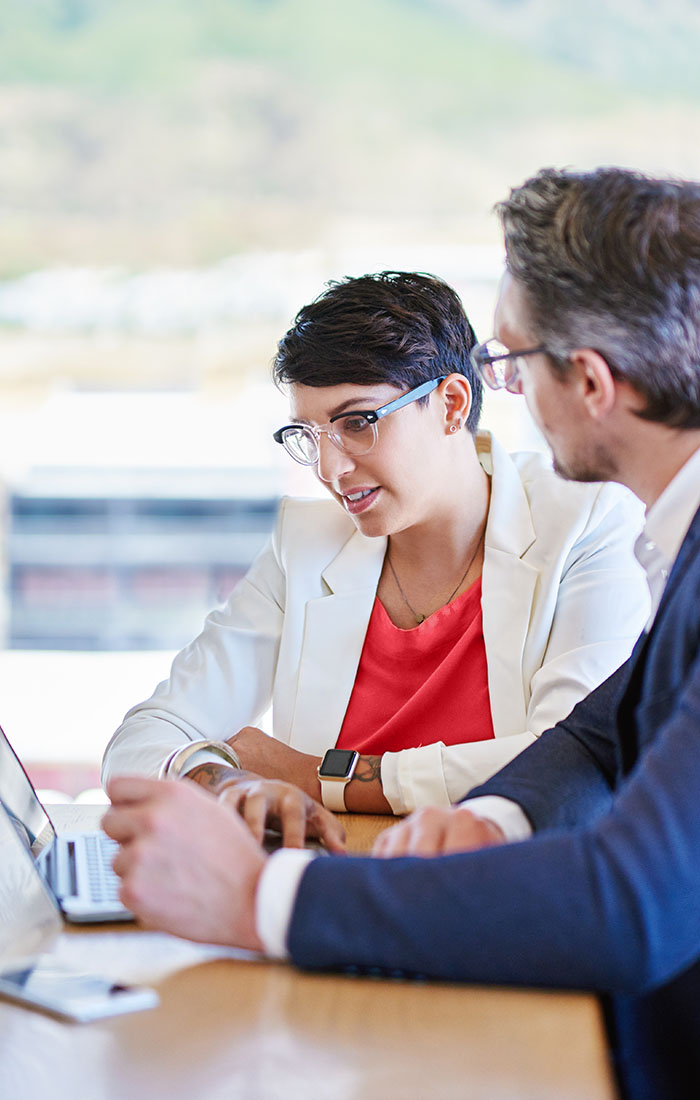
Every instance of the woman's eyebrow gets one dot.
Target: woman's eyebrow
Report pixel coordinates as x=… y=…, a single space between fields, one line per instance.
x=353 y=404
x=365 y=403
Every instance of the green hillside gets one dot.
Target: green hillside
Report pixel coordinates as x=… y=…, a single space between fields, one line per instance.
x=169 y=131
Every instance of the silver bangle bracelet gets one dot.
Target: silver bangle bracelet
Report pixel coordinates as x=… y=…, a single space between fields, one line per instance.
x=175 y=766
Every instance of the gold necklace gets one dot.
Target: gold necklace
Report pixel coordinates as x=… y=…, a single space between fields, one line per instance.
x=416 y=614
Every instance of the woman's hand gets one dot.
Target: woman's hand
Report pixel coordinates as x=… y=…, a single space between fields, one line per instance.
x=437 y=831
x=272 y=803
x=272 y=759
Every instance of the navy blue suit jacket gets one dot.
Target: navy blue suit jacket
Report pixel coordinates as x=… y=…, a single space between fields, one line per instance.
x=606 y=894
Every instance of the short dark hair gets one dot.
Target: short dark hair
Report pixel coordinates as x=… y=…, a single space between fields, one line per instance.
x=395 y=327
x=610 y=260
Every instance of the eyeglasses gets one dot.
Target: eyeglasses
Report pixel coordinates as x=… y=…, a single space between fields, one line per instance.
x=499 y=368
x=353 y=433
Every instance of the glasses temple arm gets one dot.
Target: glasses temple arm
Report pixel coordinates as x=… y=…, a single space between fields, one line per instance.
x=412 y=395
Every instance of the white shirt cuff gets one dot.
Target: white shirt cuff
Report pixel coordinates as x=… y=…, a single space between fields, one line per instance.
x=413 y=778
x=509 y=816
x=277 y=892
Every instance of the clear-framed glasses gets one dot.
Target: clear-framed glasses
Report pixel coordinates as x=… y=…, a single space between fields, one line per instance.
x=499 y=368
x=353 y=433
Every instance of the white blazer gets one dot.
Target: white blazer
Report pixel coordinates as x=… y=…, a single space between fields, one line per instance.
x=563 y=600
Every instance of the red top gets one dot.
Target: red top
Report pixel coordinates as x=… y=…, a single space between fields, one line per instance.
x=416 y=687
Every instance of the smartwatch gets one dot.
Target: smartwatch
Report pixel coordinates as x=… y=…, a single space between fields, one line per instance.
x=335 y=772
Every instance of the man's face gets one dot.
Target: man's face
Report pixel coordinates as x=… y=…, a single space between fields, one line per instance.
x=556 y=401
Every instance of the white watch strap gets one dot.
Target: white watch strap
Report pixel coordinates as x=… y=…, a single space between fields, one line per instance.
x=333 y=794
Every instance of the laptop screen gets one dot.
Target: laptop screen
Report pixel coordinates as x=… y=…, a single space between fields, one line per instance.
x=20 y=801
x=29 y=919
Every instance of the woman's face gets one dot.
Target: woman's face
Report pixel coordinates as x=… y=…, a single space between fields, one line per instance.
x=397 y=484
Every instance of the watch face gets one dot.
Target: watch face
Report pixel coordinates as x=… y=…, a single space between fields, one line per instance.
x=336 y=763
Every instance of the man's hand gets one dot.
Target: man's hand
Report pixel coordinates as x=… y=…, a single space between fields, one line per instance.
x=271 y=803
x=438 y=831
x=188 y=864
x=272 y=759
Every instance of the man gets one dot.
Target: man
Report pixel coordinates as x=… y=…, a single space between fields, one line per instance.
x=599 y=315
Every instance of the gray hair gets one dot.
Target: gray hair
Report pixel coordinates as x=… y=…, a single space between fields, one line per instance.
x=610 y=260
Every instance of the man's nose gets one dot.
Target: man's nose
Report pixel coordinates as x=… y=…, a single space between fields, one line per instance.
x=332 y=463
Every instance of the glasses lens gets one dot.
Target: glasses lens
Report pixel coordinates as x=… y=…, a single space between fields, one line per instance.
x=300 y=443
x=511 y=373
x=354 y=434
x=490 y=361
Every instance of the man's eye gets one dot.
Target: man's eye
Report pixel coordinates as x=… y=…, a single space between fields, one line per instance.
x=353 y=425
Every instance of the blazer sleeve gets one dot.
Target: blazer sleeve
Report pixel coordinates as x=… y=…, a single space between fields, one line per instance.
x=602 y=603
x=613 y=905
x=220 y=682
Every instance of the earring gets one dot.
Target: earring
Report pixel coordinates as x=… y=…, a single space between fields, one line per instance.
x=456 y=427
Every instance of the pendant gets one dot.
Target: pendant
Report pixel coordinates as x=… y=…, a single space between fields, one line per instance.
x=419 y=619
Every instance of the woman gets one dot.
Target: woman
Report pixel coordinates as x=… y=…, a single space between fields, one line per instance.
x=447 y=605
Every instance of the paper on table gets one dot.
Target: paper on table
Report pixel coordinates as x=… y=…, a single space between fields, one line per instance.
x=127 y=955
x=136 y=956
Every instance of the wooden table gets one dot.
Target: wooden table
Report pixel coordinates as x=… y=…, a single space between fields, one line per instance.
x=238 y=1027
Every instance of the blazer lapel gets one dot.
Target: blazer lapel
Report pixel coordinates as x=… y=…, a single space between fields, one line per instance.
x=334 y=634
x=509 y=584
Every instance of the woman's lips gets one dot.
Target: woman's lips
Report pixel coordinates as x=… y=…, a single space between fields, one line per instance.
x=359 y=500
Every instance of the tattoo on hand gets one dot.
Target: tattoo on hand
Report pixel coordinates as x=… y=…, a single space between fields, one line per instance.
x=369 y=769
x=213 y=776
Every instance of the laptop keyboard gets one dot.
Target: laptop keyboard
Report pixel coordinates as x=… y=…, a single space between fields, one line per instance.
x=100 y=851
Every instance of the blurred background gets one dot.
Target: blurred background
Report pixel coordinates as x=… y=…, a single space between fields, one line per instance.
x=176 y=179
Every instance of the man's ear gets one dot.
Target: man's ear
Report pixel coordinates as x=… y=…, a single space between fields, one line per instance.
x=457 y=395
x=597 y=385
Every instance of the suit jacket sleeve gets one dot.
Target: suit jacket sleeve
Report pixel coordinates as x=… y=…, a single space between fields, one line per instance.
x=612 y=906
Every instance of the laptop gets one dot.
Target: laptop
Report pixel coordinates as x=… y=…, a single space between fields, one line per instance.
x=75 y=868
x=30 y=923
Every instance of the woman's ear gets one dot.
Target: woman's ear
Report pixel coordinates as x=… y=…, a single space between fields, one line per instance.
x=457 y=397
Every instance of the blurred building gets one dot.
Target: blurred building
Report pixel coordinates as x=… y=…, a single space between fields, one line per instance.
x=100 y=560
